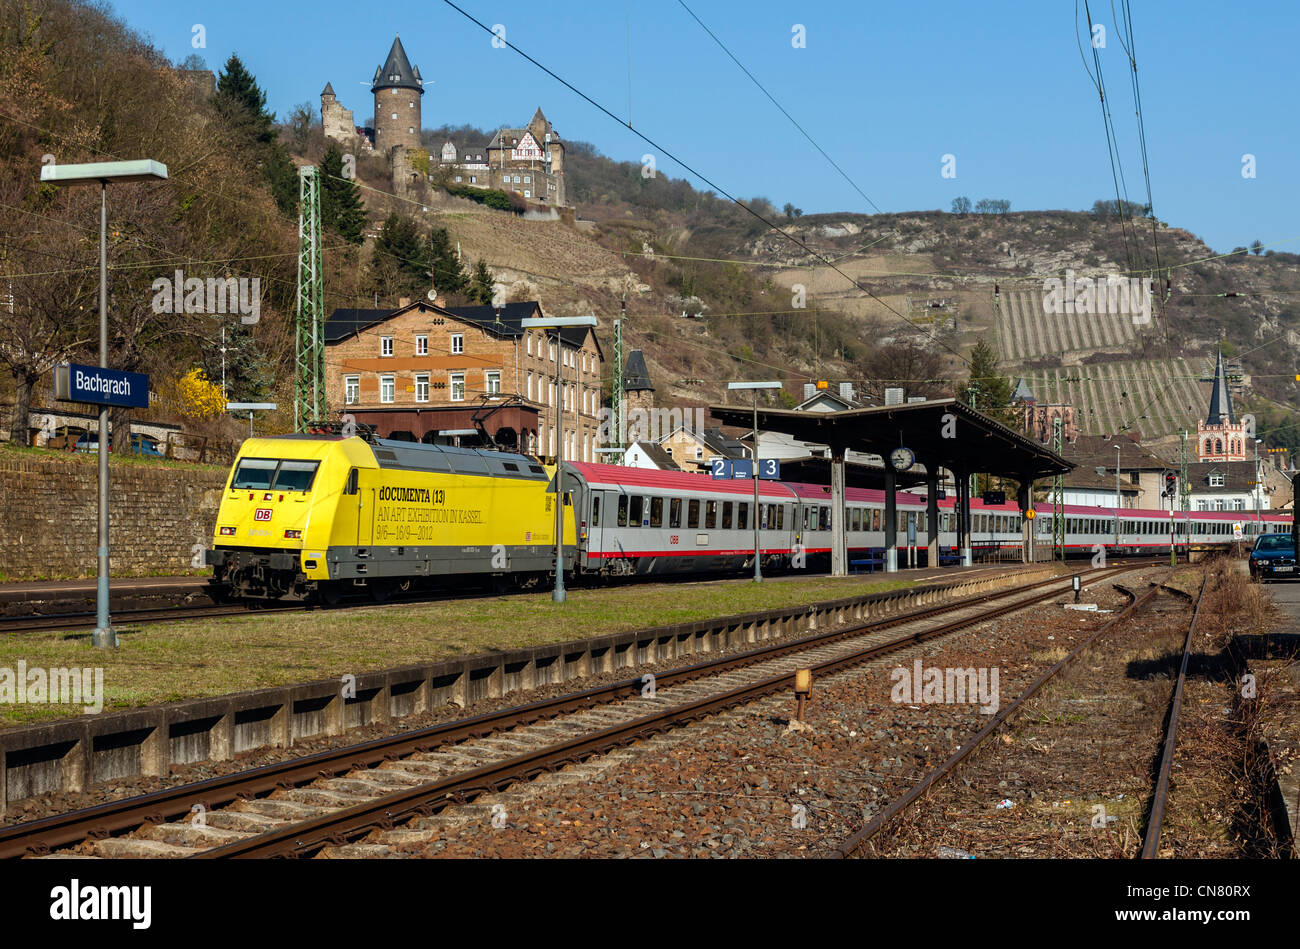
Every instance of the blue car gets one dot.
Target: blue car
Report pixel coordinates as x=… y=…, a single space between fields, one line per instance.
x=1272 y=556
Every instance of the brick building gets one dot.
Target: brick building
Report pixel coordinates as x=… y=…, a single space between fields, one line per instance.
x=528 y=161
x=423 y=369
x=397 y=88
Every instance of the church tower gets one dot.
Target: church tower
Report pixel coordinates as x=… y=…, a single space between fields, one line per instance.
x=397 y=87
x=1221 y=437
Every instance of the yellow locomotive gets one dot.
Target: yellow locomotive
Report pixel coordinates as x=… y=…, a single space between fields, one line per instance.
x=313 y=516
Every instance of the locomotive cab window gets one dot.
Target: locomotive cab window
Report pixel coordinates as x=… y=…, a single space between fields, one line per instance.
x=269 y=474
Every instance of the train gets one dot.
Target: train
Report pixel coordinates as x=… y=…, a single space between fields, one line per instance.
x=323 y=517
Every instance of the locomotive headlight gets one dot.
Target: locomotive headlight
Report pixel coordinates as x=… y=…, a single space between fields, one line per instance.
x=293 y=535
x=227 y=532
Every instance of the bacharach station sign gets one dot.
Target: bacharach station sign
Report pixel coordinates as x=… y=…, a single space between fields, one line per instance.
x=99 y=386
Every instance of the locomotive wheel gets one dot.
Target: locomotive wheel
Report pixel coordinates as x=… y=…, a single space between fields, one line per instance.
x=381 y=590
x=329 y=592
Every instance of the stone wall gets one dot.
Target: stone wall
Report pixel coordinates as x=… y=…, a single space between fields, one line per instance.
x=49 y=516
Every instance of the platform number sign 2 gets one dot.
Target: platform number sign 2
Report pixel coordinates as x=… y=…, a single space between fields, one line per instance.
x=720 y=468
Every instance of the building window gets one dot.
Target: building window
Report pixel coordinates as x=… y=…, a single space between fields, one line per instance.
x=473 y=179
x=458 y=178
x=1216 y=480
x=421 y=345
x=351 y=389
x=457 y=343
x=385 y=345
x=394 y=115
x=458 y=387
x=422 y=387
x=492 y=383
x=527 y=179
x=386 y=389
x=530 y=387
x=411 y=128
x=530 y=345
x=411 y=104
x=517 y=182
x=551 y=350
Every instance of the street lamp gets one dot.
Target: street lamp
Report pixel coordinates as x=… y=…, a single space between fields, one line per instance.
x=102 y=173
x=1118 y=502
x=558 y=323
x=754 y=387
x=1257 y=486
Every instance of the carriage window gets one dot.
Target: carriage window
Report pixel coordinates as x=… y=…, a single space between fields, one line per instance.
x=634 y=518
x=780 y=516
x=923 y=518
x=656 y=512
x=855 y=519
x=742 y=515
x=675 y=512
x=693 y=513
x=622 y=510
x=726 y=515
x=875 y=519
x=710 y=515
x=595 y=510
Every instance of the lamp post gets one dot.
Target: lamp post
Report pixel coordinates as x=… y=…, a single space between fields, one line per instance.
x=1118 y=501
x=558 y=323
x=1256 y=492
x=754 y=387
x=102 y=173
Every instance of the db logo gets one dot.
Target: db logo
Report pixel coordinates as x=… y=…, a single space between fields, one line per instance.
x=672 y=538
x=262 y=514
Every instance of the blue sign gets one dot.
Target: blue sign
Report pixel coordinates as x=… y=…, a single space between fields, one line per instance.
x=769 y=468
x=720 y=467
x=74 y=383
x=742 y=469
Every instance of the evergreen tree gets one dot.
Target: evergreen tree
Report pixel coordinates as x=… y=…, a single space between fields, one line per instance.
x=340 y=200
x=448 y=274
x=986 y=388
x=248 y=375
x=242 y=102
x=482 y=288
x=400 y=262
x=282 y=174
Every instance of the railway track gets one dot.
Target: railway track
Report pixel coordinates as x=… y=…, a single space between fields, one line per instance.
x=297 y=807
x=861 y=842
x=1151 y=837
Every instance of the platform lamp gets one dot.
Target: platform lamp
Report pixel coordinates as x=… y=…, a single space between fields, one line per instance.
x=558 y=323
x=102 y=173
x=754 y=387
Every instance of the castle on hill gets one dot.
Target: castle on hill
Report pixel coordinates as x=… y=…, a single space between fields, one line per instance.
x=527 y=161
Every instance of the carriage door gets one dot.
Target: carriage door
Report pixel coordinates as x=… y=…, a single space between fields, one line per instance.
x=597 y=514
x=365 y=516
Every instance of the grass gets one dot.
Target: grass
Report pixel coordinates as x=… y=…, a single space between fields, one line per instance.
x=198 y=658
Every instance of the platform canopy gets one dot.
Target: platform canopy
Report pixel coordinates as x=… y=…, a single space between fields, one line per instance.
x=941 y=433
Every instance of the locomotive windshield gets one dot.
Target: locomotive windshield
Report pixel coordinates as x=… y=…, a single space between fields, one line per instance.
x=270 y=474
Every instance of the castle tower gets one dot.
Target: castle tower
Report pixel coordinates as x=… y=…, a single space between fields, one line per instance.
x=1221 y=437
x=397 y=87
x=639 y=393
x=336 y=120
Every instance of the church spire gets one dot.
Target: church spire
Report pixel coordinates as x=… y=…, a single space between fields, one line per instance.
x=1220 y=397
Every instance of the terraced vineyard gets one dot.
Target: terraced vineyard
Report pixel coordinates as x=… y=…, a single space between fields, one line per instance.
x=1108 y=396
x=1026 y=331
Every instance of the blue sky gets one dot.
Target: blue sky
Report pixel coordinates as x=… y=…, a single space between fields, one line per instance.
x=886 y=89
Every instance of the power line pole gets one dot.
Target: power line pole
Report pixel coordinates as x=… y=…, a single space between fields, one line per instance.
x=309 y=378
x=1186 y=490
x=1058 y=495
x=616 y=396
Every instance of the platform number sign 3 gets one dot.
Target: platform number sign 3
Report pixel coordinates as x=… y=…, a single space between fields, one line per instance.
x=769 y=468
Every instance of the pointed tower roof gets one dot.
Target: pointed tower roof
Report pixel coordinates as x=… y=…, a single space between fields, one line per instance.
x=636 y=377
x=397 y=72
x=1220 y=396
x=328 y=90
x=1023 y=393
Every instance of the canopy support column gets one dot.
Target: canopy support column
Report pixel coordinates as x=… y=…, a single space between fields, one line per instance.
x=891 y=522
x=932 y=514
x=839 y=534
